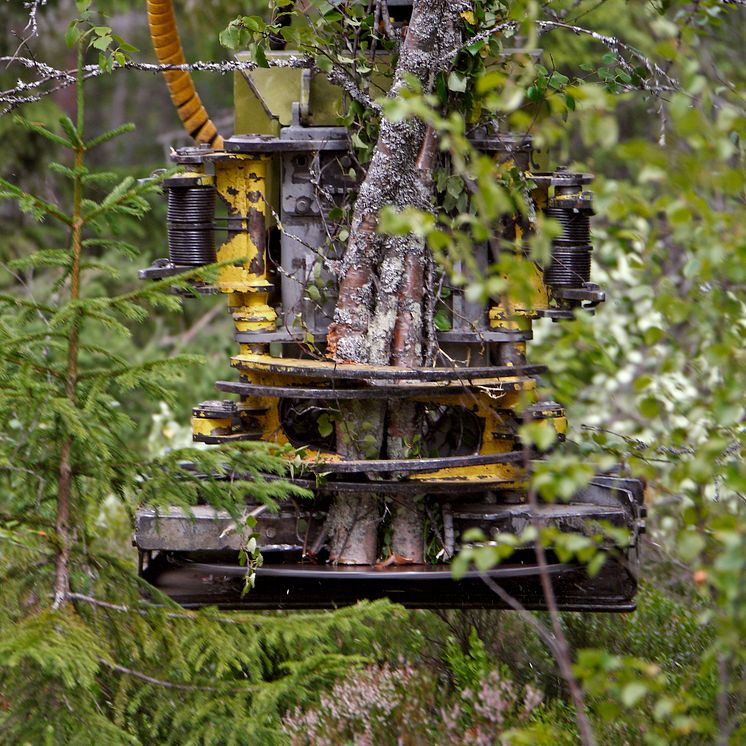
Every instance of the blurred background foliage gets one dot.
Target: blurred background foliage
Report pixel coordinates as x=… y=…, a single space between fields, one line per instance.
x=655 y=379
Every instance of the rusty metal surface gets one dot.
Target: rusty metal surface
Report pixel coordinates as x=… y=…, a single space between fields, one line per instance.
x=352 y=371
x=269 y=144
x=293 y=587
x=228 y=438
x=205 y=529
x=413 y=466
x=449 y=487
x=302 y=336
x=192 y=566
x=378 y=391
x=355 y=573
x=583 y=519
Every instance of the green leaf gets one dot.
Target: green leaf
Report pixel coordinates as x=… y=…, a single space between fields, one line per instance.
x=534 y=93
x=650 y=407
x=460 y=565
x=324 y=425
x=642 y=382
x=596 y=564
x=442 y=320
x=261 y=57
x=633 y=692
x=102 y=43
x=473 y=534
x=230 y=37
x=457 y=82
x=123 y=45
x=72 y=34
x=485 y=558
x=558 y=81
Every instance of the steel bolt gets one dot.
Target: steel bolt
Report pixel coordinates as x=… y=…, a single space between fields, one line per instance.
x=302 y=205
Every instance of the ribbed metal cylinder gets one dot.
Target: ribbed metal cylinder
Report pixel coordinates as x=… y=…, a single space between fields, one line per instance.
x=190 y=214
x=570 y=266
x=576 y=225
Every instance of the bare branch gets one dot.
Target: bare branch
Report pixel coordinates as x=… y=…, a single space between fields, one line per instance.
x=664 y=82
x=167 y=684
x=24 y=93
x=655 y=70
x=338 y=75
x=124 y=609
x=32 y=25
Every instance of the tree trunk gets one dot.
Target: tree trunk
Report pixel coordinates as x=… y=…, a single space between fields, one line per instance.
x=379 y=317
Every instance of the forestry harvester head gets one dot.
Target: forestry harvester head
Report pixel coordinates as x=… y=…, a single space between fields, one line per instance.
x=270 y=204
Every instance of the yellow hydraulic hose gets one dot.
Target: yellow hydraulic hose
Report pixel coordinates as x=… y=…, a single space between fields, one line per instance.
x=167 y=45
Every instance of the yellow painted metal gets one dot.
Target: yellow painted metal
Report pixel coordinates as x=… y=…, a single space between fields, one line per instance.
x=509 y=319
x=241 y=181
x=540 y=195
x=197 y=172
x=272 y=430
x=512 y=474
x=492 y=402
x=211 y=426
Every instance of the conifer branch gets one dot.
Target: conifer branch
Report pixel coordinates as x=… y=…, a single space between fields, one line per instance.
x=37 y=203
x=15 y=300
x=45 y=369
x=143 y=368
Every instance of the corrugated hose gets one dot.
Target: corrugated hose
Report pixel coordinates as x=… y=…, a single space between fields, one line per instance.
x=168 y=50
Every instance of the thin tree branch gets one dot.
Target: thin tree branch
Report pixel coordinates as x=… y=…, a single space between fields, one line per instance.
x=179 y=341
x=525 y=614
x=32 y=24
x=167 y=684
x=124 y=609
x=24 y=93
x=611 y=42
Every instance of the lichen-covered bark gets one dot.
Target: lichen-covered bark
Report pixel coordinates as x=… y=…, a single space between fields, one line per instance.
x=393 y=178
x=353 y=519
x=405 y=420
x=379 y=318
